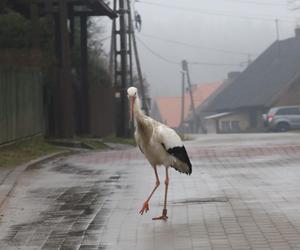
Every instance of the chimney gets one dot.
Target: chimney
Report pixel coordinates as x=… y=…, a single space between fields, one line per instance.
x=233 y=75
x=297 y=32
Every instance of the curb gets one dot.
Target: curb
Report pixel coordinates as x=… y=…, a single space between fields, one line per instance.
x=11 y=179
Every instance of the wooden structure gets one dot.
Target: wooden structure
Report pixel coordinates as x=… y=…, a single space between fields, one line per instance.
x=61 y=14
x=21 y=104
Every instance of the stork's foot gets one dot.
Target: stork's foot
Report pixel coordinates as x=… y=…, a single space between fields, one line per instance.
x=145 y=208
x=163 y=217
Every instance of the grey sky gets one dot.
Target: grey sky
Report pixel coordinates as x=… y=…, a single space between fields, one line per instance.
x=246 y=26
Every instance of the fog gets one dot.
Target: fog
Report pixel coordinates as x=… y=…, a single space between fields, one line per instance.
x=241 y=28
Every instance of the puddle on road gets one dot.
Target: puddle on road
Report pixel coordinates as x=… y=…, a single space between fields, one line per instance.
x=71 y=169
x=196 y=201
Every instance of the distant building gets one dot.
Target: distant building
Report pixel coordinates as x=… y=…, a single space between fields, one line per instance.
x=167 y=109
x=272 y=79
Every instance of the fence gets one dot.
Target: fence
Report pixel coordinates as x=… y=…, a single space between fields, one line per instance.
x=21 y=103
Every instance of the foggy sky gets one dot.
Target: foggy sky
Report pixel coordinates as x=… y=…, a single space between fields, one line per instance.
x=194 y=22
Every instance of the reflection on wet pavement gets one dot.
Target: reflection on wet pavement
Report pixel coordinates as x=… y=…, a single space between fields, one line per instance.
x=243 y=196
x=74 y=215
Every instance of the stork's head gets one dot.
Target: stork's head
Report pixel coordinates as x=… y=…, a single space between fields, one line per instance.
x=132 y=95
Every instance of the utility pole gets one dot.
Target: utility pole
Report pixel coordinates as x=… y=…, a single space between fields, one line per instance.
x=182 y=100
x=123 y=43
x=112 y=47
x=129 y=35
x=196 y=122
x=277 y=29
x=137 y=61
x=185 y=68
x=123 y=129
x=122 y=67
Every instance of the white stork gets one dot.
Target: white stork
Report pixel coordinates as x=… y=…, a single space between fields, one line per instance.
x=160 y=144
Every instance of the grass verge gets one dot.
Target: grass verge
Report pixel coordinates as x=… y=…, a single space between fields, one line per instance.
x=115 y=139
x=23 y=151
x=94 y=143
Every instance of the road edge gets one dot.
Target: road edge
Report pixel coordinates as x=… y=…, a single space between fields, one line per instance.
x=11 y=179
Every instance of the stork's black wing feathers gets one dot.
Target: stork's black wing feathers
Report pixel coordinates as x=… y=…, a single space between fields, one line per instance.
x=140 y=148
x=181 y=154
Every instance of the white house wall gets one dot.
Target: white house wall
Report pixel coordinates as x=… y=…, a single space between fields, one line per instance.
x=241 y=118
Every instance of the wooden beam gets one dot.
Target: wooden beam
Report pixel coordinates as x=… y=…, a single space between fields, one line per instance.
x=66 y=90
x=48 y=6
x=35 y=36
x=85 y=121
x=71 y=25
x=97 y=8
x=79 y=13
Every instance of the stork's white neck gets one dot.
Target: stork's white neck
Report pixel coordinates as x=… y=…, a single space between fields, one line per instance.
x=138 y=113
x=143 y=126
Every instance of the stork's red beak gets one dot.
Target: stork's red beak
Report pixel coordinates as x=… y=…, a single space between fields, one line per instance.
x=131 y=99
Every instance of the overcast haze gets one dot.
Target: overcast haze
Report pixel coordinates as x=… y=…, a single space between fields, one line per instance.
x=246 y=27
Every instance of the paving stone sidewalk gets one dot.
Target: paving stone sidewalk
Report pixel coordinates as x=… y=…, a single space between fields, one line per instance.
x=9 y=175
x=4 y=173
x=243 y=194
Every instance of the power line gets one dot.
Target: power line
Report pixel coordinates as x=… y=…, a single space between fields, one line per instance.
x=214 y=64
x=177 y=63
x=155 y=53
x=205 y=12
x=258 y=3
x=197 y=46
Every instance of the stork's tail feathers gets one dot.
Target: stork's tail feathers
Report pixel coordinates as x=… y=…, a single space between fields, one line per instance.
x=183 y=164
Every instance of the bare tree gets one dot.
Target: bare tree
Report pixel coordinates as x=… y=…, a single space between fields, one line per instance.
x=294 y=6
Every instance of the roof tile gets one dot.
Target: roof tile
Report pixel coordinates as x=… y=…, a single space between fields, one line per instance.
x=170 y=106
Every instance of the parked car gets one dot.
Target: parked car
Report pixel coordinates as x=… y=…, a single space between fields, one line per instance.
x=282 y=118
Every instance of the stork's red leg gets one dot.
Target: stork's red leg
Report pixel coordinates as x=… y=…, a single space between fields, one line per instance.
x=164 y=213
x=145 y=207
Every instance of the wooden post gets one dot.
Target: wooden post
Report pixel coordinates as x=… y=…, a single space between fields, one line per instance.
x=65 y=88
x=50 y=119
x=35 y=36
x=85 y=122
x=72 y=25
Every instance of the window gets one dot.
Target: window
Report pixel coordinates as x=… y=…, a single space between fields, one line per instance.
x=288 y=111
x=225 y=126
x=235 y=125
x=272 y=111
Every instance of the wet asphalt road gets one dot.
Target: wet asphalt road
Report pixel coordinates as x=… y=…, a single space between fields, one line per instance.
x=243 y=194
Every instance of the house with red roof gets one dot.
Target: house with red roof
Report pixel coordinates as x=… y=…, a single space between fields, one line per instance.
x=167 y=109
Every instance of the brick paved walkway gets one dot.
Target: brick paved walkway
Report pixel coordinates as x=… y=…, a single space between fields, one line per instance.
x=243 y=194
x=4 y=173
